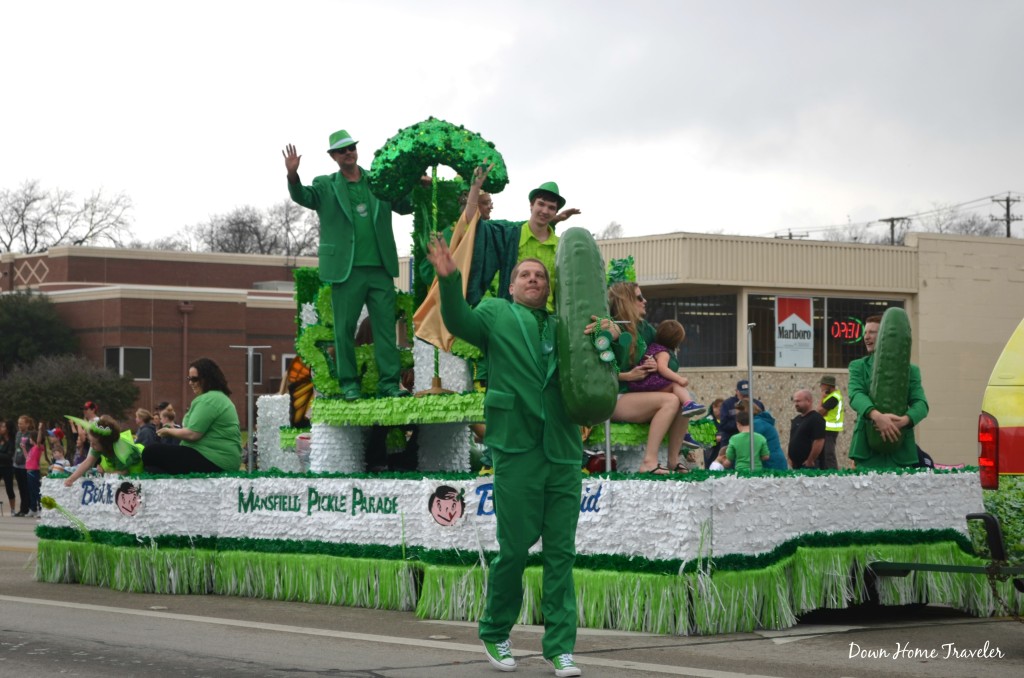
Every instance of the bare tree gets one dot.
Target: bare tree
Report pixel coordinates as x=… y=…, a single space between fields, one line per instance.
x=610 y=232
x=948 y=219
x=33 y=220
x=299 y=227
x=22 y=218
x=280 y=229
x=179 y=242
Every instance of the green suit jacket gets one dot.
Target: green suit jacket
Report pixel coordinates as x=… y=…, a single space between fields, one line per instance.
x=495 y=250
x=329 y=196
x=860 y=401
x=523 y=406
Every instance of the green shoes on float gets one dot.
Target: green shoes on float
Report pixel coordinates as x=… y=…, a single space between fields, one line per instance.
x=500 y=655
x=564 y=666
x=351 y=393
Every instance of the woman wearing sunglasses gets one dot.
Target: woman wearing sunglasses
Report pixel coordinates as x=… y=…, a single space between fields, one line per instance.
x=210 y=438
x=661 y=410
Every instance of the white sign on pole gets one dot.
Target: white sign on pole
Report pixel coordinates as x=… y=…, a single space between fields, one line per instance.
x=794 y=333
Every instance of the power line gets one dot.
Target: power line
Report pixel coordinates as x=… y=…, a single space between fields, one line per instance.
x=976 y=203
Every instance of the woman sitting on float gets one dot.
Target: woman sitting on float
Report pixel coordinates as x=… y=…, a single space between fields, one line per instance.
x=211 y=441
x=659 y=409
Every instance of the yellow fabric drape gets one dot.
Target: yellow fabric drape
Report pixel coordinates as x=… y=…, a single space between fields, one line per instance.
x=427 y=319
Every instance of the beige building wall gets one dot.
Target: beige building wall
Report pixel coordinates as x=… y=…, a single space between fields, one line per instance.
x=970 y=300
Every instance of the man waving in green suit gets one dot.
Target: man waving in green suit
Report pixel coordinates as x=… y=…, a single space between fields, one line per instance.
x=537 y=452
x=357 y=256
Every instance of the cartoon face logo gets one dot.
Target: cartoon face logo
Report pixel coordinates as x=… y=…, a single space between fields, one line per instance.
x=128 y=498
x=446 y=505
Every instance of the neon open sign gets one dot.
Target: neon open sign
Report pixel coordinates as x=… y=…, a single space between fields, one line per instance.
x=848 y=331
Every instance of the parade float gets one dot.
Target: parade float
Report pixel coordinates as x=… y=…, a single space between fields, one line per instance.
x=698 y=553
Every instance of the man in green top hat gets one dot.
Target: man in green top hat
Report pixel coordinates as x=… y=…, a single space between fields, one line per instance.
x=500 y=245
x=357 y=256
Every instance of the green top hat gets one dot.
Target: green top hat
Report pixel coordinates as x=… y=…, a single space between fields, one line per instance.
x=340 y=139
x=550 y=187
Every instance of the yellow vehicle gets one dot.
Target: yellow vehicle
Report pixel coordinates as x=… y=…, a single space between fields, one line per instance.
x=1001 y=444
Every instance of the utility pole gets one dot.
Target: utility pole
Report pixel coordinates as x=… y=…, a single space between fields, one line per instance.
x=250 y=417
x=892 y=221
x=1010 y=217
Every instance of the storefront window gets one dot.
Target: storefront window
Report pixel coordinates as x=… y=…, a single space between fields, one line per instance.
x=837 y=324
x=710 y=324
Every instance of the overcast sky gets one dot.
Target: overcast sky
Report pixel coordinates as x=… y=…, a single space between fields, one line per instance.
x=749 y=117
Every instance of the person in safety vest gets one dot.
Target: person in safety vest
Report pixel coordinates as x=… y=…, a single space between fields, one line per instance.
x=831 y=409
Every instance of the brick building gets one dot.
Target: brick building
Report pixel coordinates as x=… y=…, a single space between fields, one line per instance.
x=149 y=313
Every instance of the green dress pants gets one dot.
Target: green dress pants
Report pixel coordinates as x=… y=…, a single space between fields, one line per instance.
x=373 y=287
x=534 y=498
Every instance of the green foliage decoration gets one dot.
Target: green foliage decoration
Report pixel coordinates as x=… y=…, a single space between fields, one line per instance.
x=288 y=436
x=312 y=345
x=465 y=350
x=438 y=409
x=621 y=270
x=400 y=163
x=621 y=563
x=324 y=306
x=366 y=366
x=675 y=603
x=315 y=342
x=307 y=284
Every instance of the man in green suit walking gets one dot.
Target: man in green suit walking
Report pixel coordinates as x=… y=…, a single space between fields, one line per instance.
x=537 y=452
x=357 y=256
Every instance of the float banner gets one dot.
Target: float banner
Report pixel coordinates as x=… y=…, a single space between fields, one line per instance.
x=794 y=334
x=656 y=520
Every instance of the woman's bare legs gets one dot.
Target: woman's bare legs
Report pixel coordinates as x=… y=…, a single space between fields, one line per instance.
x=676 y=433
x=661 y=411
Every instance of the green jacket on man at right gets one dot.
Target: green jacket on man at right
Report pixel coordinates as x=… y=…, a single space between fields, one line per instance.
x=861 y=402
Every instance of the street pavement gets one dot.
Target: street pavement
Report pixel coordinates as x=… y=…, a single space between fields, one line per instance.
x=79 y=630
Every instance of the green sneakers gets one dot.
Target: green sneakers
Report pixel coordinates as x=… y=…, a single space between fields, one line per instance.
x=500 y=656
x=564 y=666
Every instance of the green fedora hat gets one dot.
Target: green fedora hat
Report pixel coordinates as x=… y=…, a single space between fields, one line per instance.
x=550 y=187
x=340 y=139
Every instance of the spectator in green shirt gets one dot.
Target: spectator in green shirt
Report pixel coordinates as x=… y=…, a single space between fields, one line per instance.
x=737 y=454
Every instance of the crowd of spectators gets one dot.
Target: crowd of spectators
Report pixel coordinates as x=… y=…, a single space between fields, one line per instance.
x=209 y=441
